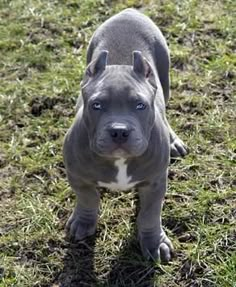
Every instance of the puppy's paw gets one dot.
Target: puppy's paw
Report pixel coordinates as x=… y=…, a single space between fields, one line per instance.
x=156 y=246
x=81 y=224
x=178 y=148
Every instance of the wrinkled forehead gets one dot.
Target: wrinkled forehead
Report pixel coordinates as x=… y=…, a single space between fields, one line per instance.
x=119 y=89
x=118 y=81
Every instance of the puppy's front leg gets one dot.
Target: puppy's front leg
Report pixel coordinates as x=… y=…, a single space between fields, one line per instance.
x=83 y=220
x=153 y=240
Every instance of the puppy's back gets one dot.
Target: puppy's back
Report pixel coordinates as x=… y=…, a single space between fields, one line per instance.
x=123 y=33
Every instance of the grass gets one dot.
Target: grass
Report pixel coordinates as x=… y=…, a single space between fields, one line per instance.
x=43 y=46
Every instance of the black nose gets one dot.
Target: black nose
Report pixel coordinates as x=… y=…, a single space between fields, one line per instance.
x=119 y=133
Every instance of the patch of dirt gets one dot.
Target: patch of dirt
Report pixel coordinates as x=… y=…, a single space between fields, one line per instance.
x=40 y=66
x=190 y=108
x=43 y=27
x=59 y=104
x=190 y=126
x=192 y=270
x=42 y=172
x=178 y=64
x=187 y=237
x=178 y=226
x=39 y=104
x=177 y=175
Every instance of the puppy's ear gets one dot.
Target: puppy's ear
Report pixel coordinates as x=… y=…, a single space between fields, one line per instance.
x=143 y=68
x=98 y=65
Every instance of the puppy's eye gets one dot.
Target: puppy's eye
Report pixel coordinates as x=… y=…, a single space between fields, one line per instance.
x=140 y=106
x=97 y=106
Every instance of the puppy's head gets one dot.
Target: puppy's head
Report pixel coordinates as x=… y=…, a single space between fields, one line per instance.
x=118 y=106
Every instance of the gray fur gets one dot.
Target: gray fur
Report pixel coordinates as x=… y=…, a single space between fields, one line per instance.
x=128 y=68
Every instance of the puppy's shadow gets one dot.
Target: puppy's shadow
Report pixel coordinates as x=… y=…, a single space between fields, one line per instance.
x=78 y=264
x=130 y=269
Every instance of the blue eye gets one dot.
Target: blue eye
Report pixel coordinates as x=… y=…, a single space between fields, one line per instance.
x=97 y=106
x=140 y=106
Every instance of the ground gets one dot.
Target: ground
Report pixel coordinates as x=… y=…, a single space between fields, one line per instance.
x=43 y=45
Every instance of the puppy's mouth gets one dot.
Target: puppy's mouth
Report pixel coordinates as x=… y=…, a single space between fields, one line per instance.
x=119 y=152
x=116 y=151
x=104 y=147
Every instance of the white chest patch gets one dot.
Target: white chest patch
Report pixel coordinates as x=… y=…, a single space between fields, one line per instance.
x=123 y=181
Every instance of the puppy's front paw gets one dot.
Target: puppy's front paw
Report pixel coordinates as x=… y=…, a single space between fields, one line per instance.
x=81 y=224
x=155 y=245
x=178 y=148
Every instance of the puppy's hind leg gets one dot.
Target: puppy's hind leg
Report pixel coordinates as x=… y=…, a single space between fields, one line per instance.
x=177 y=146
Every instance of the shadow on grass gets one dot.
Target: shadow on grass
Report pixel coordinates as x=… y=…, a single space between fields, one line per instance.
x=129 y=268
x=78 y=265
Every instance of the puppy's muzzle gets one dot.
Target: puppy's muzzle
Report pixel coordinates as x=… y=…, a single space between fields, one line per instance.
x=119 y=133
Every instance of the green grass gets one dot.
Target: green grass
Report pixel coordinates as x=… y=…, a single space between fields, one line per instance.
x=43 y=46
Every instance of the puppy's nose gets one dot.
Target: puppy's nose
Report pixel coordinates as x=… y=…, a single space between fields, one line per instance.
x=119 y=133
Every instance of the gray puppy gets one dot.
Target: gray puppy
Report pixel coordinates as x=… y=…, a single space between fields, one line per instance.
x=120 y=137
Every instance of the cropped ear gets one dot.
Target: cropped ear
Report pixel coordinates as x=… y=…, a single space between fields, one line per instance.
x=98 y=65
x=142 y=67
